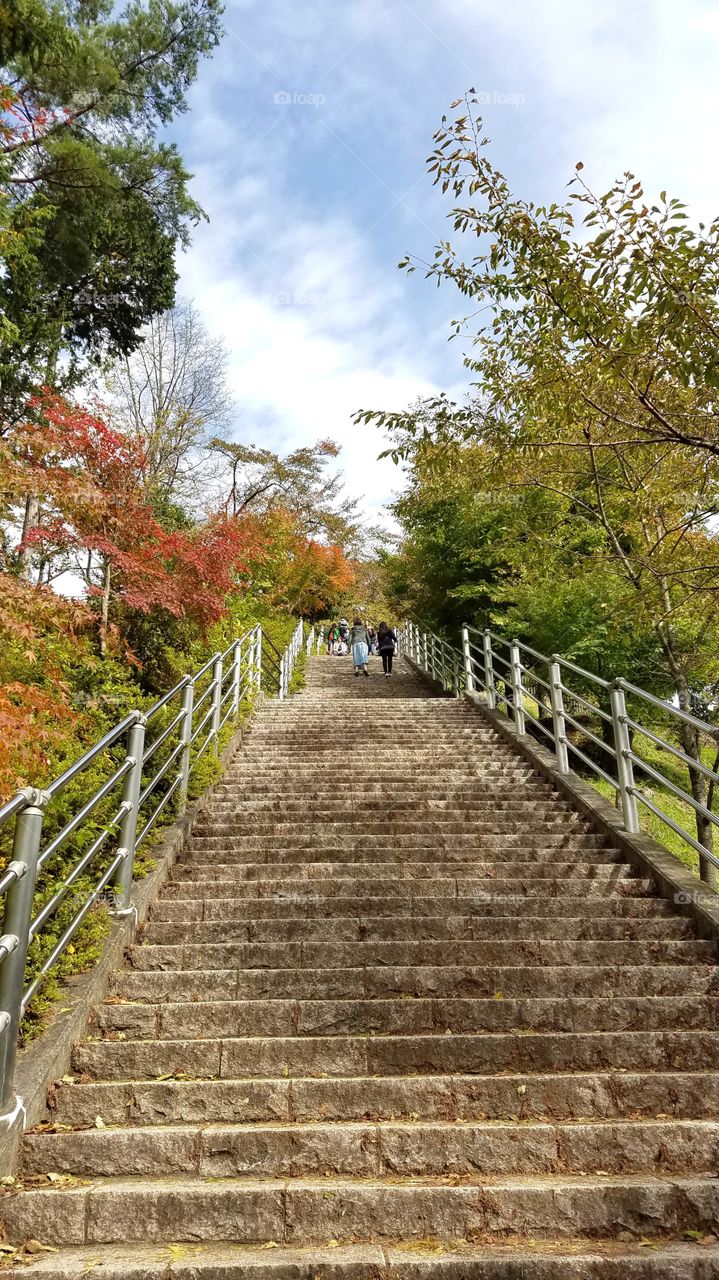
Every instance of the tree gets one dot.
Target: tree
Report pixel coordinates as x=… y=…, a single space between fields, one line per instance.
x=298 y=483
x=92 y=205
x=171 y=395
x=596 y=383
x=96 y=521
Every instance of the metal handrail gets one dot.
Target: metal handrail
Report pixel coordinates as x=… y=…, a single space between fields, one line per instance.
x=484 y=670
x=175 y=751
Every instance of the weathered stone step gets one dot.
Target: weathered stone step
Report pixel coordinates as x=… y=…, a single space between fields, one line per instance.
x=340 y=955
x=585 y=882
x=414 y=872
x=325 y=838
x=416 y=928
x=397 y=1016
x=589 y=1095
x=579 y=1260
x=214 y=900
x=378 y=1150
x=468 y=805
x=219 y=827
x=398 y=1055
x=307 y=1210
x=413 y=864
x=448 y=980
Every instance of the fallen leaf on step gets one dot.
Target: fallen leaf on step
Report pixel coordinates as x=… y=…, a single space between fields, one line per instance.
x=333 y=1244
x=521 y=1090
x=271 y=1244
x=100 y=1123
x=68 y=1079
x=35 y=1246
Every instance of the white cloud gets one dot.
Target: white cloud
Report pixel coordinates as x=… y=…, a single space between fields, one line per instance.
x=296 y=270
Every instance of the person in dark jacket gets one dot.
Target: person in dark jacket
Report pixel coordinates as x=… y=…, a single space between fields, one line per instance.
x=386 y=642
x=360 y=647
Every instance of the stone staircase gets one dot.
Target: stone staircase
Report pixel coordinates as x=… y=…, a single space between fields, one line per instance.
x=399 y=1011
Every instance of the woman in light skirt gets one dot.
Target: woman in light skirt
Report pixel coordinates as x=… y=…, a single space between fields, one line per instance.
x=360 y=647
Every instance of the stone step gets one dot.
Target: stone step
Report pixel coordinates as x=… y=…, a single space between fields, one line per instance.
x=341 y=955
x=329 y=806
x=442 y=1054
x=595 y=1095
x=413 y=864
x=415 y=929
x=313 y=1210
x=588 y=882
x=325 y=838
x=237 y=824
x=415 y=871
x=385 y=1149
x=579 y=1260
x=412 y=861
x=445 y=981
x=396 y=1016
x=214 y=900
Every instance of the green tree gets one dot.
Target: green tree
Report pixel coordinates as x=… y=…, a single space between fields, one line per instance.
x=92 y=203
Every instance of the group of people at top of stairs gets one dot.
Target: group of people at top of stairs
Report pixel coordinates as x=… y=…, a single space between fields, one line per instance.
x=362 y=640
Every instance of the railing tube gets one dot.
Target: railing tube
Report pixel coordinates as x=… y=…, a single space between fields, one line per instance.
x=560 y=725
x=258 y=658
x=188 y=700
x=517 y=696
x=128 y=824
x=16 y=924
x=282 y=677
x=216 y=704
x=467 y=653
x=489 y=670
x=236 y=677
x=625 y=768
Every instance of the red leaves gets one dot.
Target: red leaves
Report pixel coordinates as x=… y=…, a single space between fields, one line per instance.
x=90 y=481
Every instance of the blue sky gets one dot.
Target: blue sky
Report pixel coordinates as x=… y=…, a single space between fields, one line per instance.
x=308 y=134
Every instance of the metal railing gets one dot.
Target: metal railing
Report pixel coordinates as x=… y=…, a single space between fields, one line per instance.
x=599 y=724
x=147 y=760
x=434 y=655
x=278 y=668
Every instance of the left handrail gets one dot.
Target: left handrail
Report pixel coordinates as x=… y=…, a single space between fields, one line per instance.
x=124 y=807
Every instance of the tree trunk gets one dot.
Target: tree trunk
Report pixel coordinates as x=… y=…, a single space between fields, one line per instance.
x=105 y=609
x=32 y=511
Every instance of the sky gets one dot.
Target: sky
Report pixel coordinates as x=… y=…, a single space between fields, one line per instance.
x=308 y=134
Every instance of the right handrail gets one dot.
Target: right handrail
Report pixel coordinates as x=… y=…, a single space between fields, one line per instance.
x=591 y=719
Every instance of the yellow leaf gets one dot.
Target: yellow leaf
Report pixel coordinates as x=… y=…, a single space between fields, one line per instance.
x=100 y=1123
x=271 y=1244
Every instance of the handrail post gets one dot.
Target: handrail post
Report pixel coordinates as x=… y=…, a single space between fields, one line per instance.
x=237 y=677
x=467 y=652
x=625 y=767
x=489 y=670
x=188 y=701
x=216 y=703
x=16 y=926
x=425 y=665
x=128 y=824
x=517 y=697
x=281 y=691
x=258 y=658
x=560 y=725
